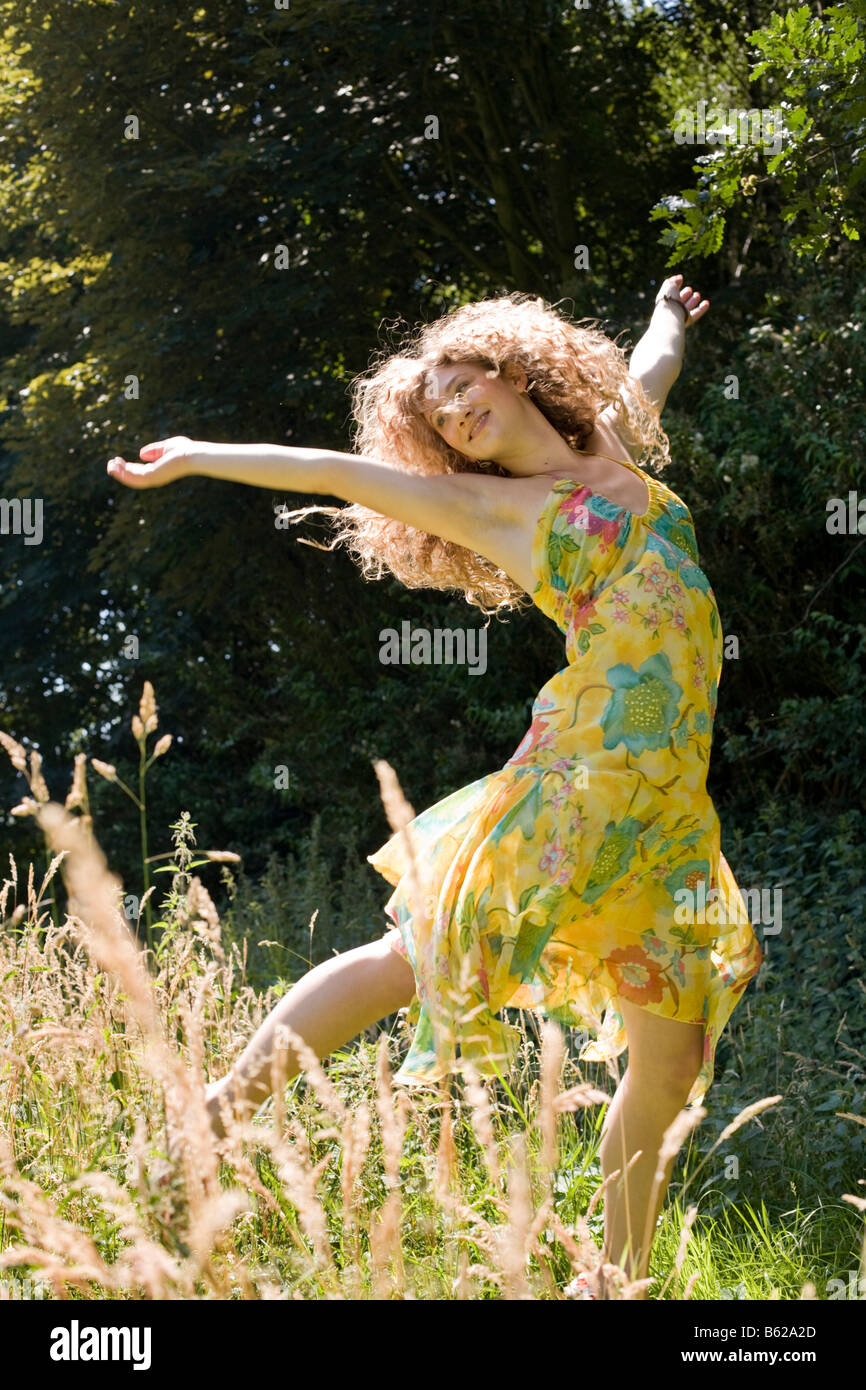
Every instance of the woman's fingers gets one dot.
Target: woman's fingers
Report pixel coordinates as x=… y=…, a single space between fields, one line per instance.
x=132 y=474
x=687 y=295
x=694 y=306
x=164 y=461
x=137 y=474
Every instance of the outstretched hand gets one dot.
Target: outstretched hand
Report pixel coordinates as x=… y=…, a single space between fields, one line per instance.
x=673 y=289
x=164 y=462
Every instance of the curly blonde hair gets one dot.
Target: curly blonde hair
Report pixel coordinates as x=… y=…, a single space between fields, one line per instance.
x=574 y=371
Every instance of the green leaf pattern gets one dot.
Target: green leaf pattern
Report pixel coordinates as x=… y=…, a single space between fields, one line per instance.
x=553 y=879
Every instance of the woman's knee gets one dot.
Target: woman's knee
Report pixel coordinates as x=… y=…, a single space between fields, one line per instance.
x=663 y=1051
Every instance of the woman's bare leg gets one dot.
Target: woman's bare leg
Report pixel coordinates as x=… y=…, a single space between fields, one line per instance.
x=330 y=1005
x=664 y=1057
x=637 y=1119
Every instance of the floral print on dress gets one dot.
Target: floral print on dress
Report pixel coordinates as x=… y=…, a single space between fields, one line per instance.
x=558 y=882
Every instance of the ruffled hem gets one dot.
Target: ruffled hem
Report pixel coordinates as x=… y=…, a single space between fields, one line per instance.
x=495 y=932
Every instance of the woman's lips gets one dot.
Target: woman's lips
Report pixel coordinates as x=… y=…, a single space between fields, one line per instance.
x=479 y=424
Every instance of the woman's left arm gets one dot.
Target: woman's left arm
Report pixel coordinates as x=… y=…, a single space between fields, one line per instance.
x=657 y=360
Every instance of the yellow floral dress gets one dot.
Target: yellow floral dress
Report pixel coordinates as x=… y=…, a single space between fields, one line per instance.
x=588 y=869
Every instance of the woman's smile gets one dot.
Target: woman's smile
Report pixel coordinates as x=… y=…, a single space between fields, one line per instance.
x=479 y=425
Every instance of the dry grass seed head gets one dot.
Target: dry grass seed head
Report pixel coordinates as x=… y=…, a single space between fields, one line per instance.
x=512 y=1237
x=393 y=1112
x=482 y=1122
x=300 y=1184
x=37 y=781
x=17 y=754
x=324 y=1088
x=552 y=1055
x=78 y=791
x=147 y=708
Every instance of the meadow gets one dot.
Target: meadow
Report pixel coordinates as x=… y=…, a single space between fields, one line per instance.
x=343 y=1186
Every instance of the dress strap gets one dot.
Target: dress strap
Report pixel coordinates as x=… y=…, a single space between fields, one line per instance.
x=627 y=463
x=652 y=486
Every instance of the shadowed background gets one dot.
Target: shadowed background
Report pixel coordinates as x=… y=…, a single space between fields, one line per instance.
x=300 y=184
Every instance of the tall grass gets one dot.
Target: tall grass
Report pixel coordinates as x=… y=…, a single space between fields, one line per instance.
x=112 y=1186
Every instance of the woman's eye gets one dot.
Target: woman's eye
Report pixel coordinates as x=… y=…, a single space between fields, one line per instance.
x=439 y=420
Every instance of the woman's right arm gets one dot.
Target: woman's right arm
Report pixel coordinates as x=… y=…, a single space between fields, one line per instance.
x=471 y=509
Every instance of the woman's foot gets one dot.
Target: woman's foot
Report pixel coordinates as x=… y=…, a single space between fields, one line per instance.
x=581 y=1287
x=600 y=1284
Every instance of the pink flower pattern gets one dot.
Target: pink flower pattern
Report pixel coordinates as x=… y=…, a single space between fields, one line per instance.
x=552 y=877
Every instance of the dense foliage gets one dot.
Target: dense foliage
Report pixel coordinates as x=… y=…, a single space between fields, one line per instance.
x=207 y=226
x=401 y=173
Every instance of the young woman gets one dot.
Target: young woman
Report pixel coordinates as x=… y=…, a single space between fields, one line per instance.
x=498 y=453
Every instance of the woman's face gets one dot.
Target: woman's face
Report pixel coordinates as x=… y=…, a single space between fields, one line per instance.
x=474 y=411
